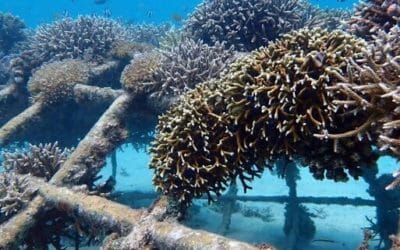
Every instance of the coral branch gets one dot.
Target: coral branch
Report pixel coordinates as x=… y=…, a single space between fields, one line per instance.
x=351 y=133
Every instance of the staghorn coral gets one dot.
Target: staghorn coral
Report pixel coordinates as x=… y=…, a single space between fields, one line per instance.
x=284 y=98
x=245 y=24
x=189 y=63
x=11 y=32
x=89 y=38
x=147 y=33
x=138 y=75
x=124 y=49
x=42 y=160
x=329 y=19
x=15 y=193
x=249 y=25
x=270 y=104
x=194 y=152
x=54 y=82
x=171 y=38
x=372 y=16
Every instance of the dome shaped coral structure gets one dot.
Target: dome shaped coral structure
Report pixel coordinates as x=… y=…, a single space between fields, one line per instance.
x=248 y=25
x=286 y=94
x=245 y=24
x=54 y=82
x=275 y=102
x=89 y=38
x=138 y=75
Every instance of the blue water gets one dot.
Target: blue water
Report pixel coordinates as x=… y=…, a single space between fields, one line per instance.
x=155 y=11
x=342 y=223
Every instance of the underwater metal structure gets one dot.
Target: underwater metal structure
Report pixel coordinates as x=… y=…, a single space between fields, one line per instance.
x=350 y=78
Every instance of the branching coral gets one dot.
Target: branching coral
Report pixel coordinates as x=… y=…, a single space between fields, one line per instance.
x=138 y=75
x=189 y=63
x=54 y=82
x=372 y=16
x=329 y=19
x=89 y=38
x=270 y=104
x=147 y=33
x=15 y=193
x=245 y=24
x=42 y=160
x=286 y=94
x=11 y=32
x=249 y=25
x=194 y=153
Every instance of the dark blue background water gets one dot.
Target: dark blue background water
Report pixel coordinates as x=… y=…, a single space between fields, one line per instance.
x=154 y=11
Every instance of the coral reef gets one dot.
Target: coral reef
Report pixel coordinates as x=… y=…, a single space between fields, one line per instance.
x=54 y=82
x=329 y=19
x=42 y=160
x=11 y=32
x=372 y=16
x=15 y=193
x=138 y=75
x=245 y=24
x=147 y=33
x=125 y=49
x=89 y=38
x=189 y=63
x=249 y=25
x=272 y=103
x=171 y=38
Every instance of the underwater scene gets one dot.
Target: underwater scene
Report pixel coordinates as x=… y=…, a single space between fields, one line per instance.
x=200 y=124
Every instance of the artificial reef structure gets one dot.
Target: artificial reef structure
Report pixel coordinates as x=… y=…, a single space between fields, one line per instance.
x=319 y=95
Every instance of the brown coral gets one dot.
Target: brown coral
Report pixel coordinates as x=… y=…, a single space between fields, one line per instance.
x=137 y=76
x=194 y=152
x=275 y=102
x=54 y=82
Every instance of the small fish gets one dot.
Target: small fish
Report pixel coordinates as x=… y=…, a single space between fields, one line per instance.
x=123 y=172
x=107 y=12
x=149 y=14
x=100 y=1
x=326 y=241
x=176 y=17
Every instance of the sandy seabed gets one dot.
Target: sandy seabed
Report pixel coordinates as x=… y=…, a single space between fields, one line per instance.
x=338 y=227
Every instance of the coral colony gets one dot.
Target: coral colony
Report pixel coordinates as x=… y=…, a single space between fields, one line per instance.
x=315 y=88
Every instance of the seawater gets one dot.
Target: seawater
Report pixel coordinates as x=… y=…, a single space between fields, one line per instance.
x=338 y=227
